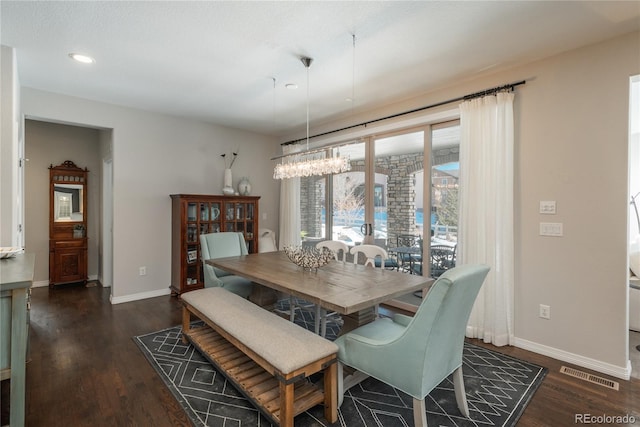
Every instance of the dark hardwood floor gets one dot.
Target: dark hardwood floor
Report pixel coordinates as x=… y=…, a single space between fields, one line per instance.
x=85 y=370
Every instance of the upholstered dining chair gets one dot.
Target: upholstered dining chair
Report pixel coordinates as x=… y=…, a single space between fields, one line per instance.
x=267 y=241
x=415 y=354
x=340 y=251
x=221 y=245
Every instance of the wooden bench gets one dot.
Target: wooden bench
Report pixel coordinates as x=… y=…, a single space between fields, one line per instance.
x=268 y=358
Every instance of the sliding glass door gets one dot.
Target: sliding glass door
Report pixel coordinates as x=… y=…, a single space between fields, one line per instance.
x=386 y=199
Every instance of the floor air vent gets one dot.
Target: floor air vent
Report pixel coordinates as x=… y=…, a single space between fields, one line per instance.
x=589 y=377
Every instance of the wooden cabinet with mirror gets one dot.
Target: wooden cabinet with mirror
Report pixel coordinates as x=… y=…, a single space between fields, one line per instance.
x=67 y=224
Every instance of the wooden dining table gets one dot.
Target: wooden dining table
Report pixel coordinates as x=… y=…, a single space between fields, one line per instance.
x=348 y=289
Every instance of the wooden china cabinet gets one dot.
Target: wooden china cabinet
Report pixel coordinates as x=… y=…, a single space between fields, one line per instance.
x=192 y=215
x=67 y=224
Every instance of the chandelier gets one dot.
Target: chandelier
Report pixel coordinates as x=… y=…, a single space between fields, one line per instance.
x=310 y=163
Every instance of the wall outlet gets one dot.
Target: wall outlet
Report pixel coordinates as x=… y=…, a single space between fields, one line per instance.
x=545 y=311
x=143 y=271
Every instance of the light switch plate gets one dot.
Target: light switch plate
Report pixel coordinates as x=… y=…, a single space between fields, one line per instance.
x=553 y=229
x=547 y=207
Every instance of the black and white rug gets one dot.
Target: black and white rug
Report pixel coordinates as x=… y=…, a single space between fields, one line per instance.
x=498 y=388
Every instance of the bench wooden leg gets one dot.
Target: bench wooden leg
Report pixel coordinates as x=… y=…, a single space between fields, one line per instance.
x=186 y=323
x=286 y=404
x=331 y=393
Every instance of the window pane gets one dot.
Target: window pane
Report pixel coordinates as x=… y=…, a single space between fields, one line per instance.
x=399 y=166
x=348 y=207
x=445 y=172
x=312 y=207
x=348 y=195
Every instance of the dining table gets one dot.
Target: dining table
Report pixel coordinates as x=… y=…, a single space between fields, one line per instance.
x=352 y=290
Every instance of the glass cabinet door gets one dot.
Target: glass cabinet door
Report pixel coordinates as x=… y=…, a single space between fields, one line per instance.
x=191 y=211
x=204 y=212
x=229 y=212
x=192 y=233
x=214 y=211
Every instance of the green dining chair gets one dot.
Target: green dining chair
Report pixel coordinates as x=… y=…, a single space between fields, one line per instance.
x=415 y=354
x=222 y=245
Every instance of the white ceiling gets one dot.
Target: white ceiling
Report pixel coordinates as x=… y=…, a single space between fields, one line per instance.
x=216 y=60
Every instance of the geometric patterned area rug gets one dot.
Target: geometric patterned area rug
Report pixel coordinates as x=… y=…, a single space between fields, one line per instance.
x=498 y=389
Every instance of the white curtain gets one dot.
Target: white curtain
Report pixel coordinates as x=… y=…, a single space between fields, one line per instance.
x=486 y=211
x=289 y=211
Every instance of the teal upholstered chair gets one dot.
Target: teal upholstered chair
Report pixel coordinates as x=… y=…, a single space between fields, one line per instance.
x=221 y=245
x=415 y=354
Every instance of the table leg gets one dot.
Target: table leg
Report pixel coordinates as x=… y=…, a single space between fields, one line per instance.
x=264 y=297
x=353 y=320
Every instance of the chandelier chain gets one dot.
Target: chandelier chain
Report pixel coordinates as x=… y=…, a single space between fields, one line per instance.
x=310 y=164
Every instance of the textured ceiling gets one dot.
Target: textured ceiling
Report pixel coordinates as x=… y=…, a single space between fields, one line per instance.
x=216 y=60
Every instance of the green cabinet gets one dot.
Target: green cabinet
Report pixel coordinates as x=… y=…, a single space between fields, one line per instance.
x=16 y=278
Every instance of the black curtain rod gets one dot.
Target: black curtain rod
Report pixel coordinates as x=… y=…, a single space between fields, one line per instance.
x=491 y=91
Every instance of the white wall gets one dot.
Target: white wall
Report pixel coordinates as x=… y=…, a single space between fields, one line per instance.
x=634 y=156
x=573 y=132
x=10 y=131
x=572 y=147
x=155 y=156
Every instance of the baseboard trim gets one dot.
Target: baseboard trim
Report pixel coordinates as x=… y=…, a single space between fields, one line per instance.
x=40 y=284
x=43 y=283
x=585 y=362
x=141 y=295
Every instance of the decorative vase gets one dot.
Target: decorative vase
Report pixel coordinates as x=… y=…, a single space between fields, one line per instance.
x=244 y=186
x=309 y=258
x=228 y=183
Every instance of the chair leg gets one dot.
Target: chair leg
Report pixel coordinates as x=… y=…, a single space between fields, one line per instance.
x=340 y=383
x=318 y=319
x=323 y=322
x=346 y=382
x=419 y=413
x=458 y=387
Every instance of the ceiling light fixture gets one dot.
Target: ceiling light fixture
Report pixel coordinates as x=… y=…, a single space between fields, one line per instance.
x=85 y=59
x=310 y=163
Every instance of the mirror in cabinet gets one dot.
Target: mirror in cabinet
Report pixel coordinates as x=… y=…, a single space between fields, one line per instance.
x=67 y=224
x=67 y=200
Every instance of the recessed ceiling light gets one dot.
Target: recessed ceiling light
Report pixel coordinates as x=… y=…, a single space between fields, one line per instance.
x=82 y=58
x=291 y=86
